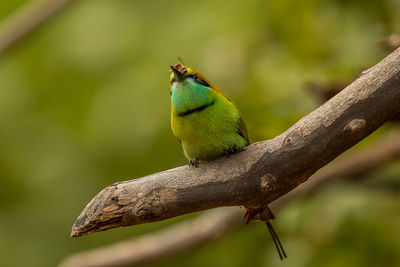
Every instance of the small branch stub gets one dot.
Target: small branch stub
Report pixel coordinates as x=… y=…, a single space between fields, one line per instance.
x=355 y=125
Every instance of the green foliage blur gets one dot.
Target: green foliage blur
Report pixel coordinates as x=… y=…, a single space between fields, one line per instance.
x=84 y=102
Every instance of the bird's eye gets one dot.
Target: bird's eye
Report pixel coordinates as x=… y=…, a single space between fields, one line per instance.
x=199 y=80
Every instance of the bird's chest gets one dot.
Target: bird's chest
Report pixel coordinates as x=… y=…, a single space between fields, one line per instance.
x=205 y=126
x=185 y=99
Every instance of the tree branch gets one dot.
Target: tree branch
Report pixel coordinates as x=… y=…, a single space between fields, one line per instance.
x=350 y=167
x=189 y=235
x=165 y=243
x=27 y=19
x=262 y=172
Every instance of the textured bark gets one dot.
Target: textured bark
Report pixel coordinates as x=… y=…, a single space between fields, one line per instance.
x=262 y=172
x=350 y=167
x=163 y=244
x=191 y=234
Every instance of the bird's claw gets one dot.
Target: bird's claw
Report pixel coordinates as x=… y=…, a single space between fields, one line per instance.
x=193 y=163
x=232 y=150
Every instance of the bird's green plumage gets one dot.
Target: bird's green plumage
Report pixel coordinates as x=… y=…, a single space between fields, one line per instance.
x=208 y=125
x=203 y=117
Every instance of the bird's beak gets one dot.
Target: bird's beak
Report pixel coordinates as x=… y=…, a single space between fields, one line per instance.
x=177 y=74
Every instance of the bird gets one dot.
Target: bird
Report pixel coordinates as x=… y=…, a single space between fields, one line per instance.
x=209 y=125
x=203 y=117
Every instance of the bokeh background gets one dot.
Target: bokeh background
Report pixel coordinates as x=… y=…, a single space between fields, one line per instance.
x=84 y=102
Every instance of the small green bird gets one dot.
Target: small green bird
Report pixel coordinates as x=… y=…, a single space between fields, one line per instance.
x=203 y=117
x=209 y=125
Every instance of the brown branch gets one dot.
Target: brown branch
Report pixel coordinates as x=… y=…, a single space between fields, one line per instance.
x=163 y=244
x=353 y=167
x=27 y=19
x=325 y=91
x=390 y=43
x=211 y=225
x=261 y=173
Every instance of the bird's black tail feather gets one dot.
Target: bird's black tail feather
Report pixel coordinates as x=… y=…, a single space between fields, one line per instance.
x=277 y=242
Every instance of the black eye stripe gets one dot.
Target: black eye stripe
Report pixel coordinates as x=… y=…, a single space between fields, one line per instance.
x=197 y=79
x=200 y=81
x=191 y=75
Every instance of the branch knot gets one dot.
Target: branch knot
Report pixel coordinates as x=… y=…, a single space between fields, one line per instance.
x=355 y=126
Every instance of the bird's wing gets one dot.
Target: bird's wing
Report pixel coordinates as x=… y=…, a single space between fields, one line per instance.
x=242 y=128
x=172 y=122
x=221 y=93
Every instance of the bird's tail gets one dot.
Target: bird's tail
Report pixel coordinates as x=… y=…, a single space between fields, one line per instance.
x=277 y=242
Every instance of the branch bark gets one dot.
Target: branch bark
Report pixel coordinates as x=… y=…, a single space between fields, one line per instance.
x=189 y=235
x=350 y=167
x=163 y=244
x=262 y=172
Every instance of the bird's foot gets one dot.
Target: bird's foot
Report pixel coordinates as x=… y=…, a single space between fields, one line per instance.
x=193 y=163
x=232 y=150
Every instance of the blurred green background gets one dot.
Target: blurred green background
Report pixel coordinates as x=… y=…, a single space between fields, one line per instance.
x=84 y=102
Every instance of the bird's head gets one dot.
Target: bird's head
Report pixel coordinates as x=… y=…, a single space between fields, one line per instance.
x=189 y=89
x=190 y=85
x=181 y=74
